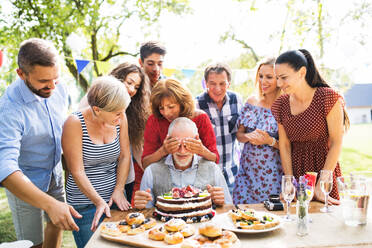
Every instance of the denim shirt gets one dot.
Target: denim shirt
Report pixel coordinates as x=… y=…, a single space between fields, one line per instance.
x=30 y=133
x=181 y=178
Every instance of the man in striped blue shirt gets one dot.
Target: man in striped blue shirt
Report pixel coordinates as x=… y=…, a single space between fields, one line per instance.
x=223 y=108
x=31 y=117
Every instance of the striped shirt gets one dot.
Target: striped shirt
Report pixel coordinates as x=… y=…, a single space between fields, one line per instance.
x=225 y=127
x=100 y=162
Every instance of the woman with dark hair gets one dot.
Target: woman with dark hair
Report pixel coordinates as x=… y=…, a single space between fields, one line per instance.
x=137 y=85
x=260 y=170
x=169 y=100
x=311 y=120
x=137 y=113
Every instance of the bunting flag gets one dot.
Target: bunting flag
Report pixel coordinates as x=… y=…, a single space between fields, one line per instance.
x=204 y=85
x=81 y=64
x=168 y=72
x=188 y=72
x=1 y=58
x=103 y=67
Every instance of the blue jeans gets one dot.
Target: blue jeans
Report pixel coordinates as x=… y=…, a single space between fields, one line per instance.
x=83 y=235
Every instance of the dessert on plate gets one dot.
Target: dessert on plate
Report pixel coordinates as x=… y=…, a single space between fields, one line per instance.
x=188 y=203
x=133 y=224
x=249 y=219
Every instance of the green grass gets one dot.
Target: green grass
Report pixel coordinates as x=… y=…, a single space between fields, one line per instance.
x=7 y=232
x=356 y=156
x=356 y=153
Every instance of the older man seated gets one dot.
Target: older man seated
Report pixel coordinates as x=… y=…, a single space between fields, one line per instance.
x=181 y=168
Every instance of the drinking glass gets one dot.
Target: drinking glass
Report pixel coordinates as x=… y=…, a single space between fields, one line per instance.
x=310 y=193
x=326 y=183
x=288 y=193
x=310 y=188
x=354 y=199
x=368 y=176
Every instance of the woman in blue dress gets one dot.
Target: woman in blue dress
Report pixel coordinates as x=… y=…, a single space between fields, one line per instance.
x=260 y=169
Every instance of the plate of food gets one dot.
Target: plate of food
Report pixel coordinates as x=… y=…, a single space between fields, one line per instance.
x=248 y=221
x=188 y=203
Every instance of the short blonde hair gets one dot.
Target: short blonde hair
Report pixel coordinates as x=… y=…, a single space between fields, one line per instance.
x=108 y=94
x=176 y=91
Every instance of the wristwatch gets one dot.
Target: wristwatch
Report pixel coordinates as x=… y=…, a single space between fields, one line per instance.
x=273 y=143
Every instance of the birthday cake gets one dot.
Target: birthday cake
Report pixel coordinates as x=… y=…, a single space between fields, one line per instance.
x=187 y=203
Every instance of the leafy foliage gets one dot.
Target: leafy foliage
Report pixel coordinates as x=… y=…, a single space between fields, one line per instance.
x=100 y=23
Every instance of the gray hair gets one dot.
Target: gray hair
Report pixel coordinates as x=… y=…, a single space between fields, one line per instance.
x=183 y=122
x=109 y=94
x=36 y=51
x=218 y=68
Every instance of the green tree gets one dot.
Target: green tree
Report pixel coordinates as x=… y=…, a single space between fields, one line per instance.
x=99 y=23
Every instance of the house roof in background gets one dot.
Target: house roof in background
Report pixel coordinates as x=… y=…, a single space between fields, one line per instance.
x=359 y=95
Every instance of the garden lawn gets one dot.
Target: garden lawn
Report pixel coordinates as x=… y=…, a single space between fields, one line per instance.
x=356 y=153
x=7 y=232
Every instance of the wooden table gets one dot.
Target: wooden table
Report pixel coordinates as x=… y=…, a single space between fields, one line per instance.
x=326 y=230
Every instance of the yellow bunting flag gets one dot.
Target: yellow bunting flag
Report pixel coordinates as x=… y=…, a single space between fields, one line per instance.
x=168 y=72
x=103 y=67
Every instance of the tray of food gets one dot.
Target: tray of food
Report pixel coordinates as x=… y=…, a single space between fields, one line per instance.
x=248 y=221
x=136 y=230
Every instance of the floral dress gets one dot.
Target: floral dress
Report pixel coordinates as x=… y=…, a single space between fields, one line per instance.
x=260 y=169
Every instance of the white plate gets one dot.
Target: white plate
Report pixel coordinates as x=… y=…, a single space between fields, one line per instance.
x=225 y=221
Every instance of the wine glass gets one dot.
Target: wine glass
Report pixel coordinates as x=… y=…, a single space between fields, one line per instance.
x=288 y=193
x=326 y=183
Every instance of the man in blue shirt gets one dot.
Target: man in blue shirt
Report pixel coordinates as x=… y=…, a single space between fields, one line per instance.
x=223 y=108
x=180 y=169
x=31 y=116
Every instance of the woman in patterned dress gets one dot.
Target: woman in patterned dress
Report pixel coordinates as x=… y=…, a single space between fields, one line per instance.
x=311 y=120
x=260 y=169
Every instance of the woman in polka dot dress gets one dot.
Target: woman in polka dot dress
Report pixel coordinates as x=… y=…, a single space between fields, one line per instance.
x=260 y=169
x=311 y=120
